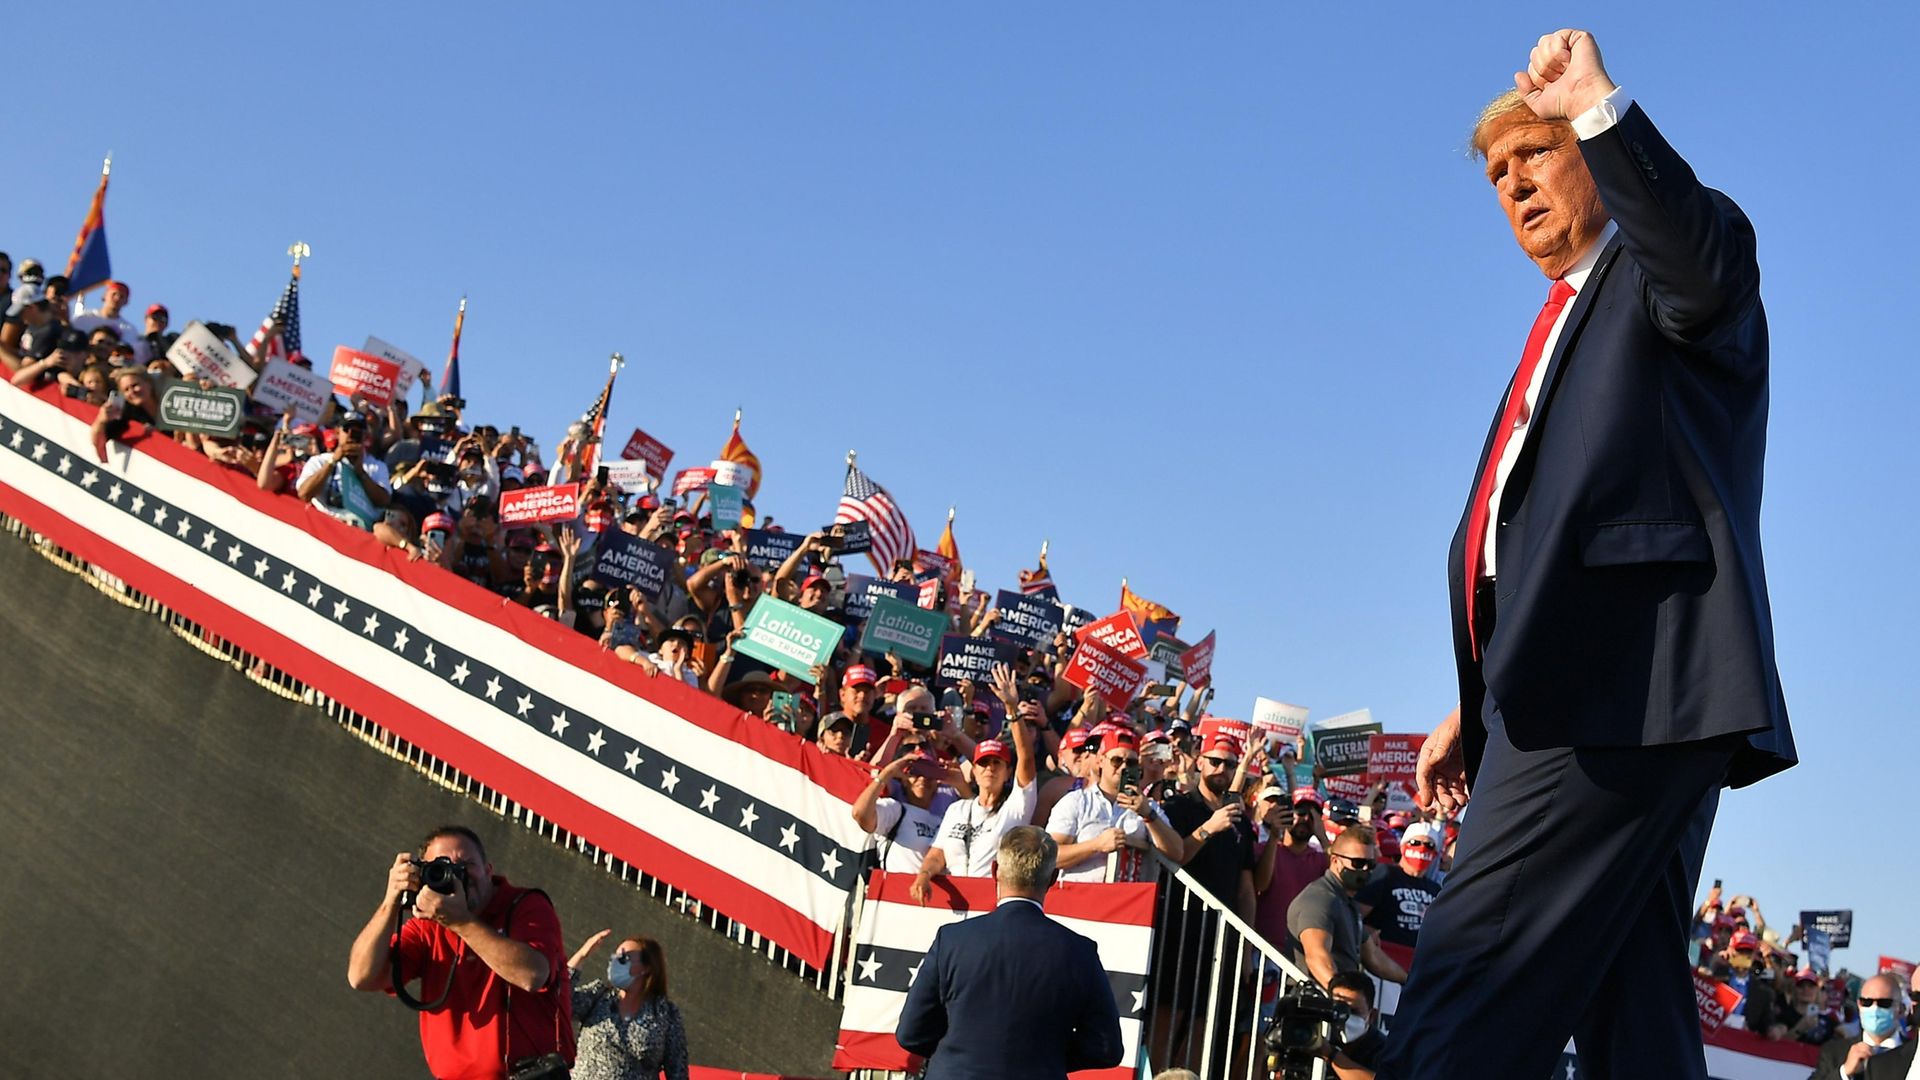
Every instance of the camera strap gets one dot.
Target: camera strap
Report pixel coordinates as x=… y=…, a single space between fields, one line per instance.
x=562 y=1035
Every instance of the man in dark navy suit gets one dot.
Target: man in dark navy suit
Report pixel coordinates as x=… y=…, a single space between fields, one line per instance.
x=1610 y=618
x=1012 y=995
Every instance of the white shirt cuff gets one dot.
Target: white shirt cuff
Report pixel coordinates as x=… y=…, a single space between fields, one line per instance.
x=1603 y=115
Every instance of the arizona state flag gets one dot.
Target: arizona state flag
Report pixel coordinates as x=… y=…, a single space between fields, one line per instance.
x=89 y=265
x=1038 y=581
x=1155 y=619
x=736 y=451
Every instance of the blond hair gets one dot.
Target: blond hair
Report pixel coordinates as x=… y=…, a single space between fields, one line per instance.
x=1505 y=104
x=1027 y=857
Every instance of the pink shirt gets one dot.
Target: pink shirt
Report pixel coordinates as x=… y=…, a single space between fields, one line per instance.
x=1292 y=871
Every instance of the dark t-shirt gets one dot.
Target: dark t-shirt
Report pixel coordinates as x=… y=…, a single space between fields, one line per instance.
x=1364 y=1050
x=1220 y=861
x=1399 y=901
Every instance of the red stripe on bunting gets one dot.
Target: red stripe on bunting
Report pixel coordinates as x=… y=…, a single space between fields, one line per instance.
x=1122 y=903
x=840 y=776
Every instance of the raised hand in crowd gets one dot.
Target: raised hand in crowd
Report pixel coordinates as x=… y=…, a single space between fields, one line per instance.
x=586 y=950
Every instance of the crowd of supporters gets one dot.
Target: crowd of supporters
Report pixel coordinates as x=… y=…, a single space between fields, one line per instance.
x=1342 y=886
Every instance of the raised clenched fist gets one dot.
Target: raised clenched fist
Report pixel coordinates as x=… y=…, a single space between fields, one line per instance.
x=1564 y=76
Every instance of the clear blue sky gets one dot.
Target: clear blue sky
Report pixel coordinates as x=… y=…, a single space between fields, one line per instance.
x=1211 y=297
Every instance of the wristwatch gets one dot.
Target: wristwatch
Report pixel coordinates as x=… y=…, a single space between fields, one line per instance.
x=1201 y=834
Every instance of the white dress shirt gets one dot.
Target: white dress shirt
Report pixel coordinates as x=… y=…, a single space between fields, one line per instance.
x=1588 y=124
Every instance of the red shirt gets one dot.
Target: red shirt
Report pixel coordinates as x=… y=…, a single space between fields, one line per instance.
x=463 y=1038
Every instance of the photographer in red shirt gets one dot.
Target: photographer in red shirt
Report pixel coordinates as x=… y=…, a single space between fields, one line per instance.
x=488 y=956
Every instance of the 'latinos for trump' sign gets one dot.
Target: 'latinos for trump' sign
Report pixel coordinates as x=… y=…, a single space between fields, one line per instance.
x=788 y=637
x=904 y=629
x=531 y=506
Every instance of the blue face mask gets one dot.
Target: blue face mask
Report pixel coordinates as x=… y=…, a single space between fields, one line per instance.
x=620 y=972
x=1876 y=1020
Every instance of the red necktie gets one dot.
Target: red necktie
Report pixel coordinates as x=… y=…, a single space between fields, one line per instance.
x=1510 y=420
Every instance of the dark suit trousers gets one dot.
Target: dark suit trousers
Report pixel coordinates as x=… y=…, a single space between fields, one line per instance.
x=1566 y=914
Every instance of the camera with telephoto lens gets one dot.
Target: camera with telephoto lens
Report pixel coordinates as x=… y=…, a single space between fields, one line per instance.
x=442 y=874
x=1307 y=1027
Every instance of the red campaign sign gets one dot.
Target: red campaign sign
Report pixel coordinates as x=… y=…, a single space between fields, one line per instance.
x=1118 y=632
x=1393 y=757
x=1197 y=662
x=1106 y=672
x=531 y=506
x=1902 y=968
x=1716 y=999
x=1210 y=726
x=644 y=447
x=359 y=374
x=691 y=480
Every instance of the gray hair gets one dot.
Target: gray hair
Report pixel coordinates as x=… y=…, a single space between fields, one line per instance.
x=1027 y=856
x=1504 y=105
x=1177 y=1074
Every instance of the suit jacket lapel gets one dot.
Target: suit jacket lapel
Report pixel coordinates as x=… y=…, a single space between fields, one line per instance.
x=1576 y=319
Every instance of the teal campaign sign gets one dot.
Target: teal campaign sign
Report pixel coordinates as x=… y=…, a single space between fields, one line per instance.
x=726 y=503
x=909 y=631
x=788 y=637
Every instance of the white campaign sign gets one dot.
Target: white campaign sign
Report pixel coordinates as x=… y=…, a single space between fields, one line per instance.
x=197 y=354
x=283 y=383
x=629 y=476
x=410 y=368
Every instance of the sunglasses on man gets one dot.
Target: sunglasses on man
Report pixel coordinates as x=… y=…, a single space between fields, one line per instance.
x=1362 y=865
x=1884 y=1003
x=1221 y=762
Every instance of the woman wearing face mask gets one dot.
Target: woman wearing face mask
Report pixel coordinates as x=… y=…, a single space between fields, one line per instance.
x=628 y=1028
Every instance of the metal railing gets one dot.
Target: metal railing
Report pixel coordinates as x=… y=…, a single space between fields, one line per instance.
x=1214 y=985
x=829 y=980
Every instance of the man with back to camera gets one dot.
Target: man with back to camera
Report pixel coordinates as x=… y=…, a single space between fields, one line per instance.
x=470 y=949
x=1012 y=995
x=1611 y=628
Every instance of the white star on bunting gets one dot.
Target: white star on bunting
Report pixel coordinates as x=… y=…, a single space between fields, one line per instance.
x=234 y=551
x=313 y=596
x=708 y=798
x=669 y=780
x=427 y=659
x=595 y=741
x=88 y=478
x=15 y=443
x=286 y=581
x=400 y=640
x=66 y=465
x=493 y=688
x=39 y=451
x=633 y=760
x=113 y=493
x=748 y=817
x=789 y=836
x=560 y=721
x=186 y=526
x=461 y=672
x=340 y=609
x=870 y=967
x=370 y=624
x=1139 y=999
x=913 y=973
x=830 y=863
x=207 y=541
x=260 y=567
x=138 y=504
x=159 y=516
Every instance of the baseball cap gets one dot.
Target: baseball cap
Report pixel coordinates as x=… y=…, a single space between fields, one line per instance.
x=1308 y=793
x=25 y=297
x=120 y=285
x=1744 y=939
x=159 y=309
x=1272 y=791
x=1178 y=726
x=437 y=520
x=835 y=719
x=860 y=675
x=1420 y=831
x=72 y=340
x=1806 y=975
x=1225 y=742
x=1075 y=738
x=987 y=748
x=812 y=580
x=1157 y=735
x=513 y=473
x=1119 y=736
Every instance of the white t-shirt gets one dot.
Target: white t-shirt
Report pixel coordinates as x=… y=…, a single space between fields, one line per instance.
x=970 y=833
x=375 y=469
x=915 y=834
x=1086 y=812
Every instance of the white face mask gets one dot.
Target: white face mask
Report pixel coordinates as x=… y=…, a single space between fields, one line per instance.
x=1356 y=1027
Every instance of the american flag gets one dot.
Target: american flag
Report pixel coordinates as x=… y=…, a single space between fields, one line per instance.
x=864 y=500
x=286 y=344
